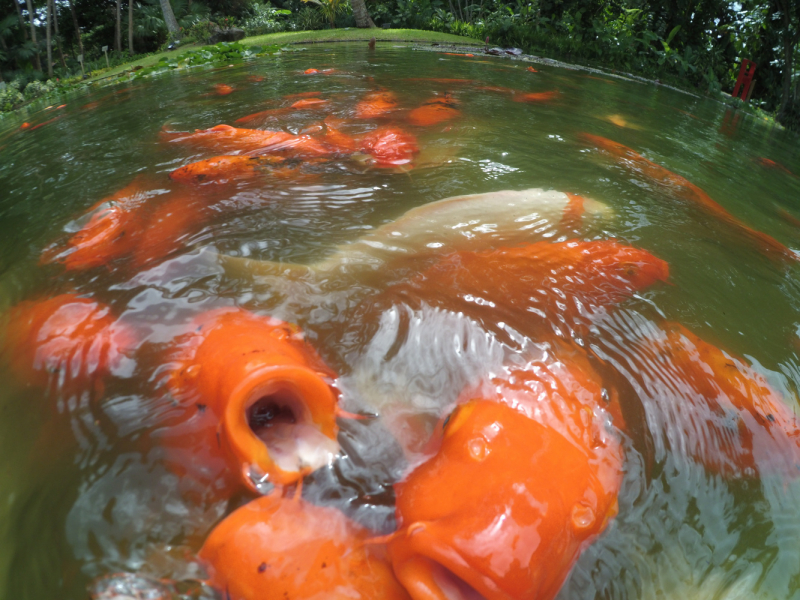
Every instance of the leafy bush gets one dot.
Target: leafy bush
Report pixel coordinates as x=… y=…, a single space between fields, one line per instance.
x=10 y=97
x=309 y=19
x=36 y=88
x=266 y=19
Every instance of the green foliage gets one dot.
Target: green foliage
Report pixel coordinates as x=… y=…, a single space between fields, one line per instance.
x=36 y=89
x=309 y=19
x=331 y=9
x=221 y=53
x=10 y=97
x=266 y=19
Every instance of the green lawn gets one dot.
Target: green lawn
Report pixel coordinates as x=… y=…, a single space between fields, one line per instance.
x=310 y=37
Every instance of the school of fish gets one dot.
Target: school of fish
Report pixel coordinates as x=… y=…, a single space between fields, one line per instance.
x=516 y=478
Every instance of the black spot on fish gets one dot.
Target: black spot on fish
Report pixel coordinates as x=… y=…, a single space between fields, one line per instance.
x=262 y=567
x=201 y=408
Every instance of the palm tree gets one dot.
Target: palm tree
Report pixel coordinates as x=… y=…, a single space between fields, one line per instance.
x=360 y=14
x=130 y=26
x=118 y=28
x=169 y=16
x=49 y=41
x=77 y=28
x=58 y=35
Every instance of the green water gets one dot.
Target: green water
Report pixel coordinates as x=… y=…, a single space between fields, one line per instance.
x=83 y=491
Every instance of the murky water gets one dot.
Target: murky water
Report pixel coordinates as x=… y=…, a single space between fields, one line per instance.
x=85 y=488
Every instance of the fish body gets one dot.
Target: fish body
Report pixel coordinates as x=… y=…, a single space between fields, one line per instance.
x=112 y=229
x=762 y=242
x=224 y=138
x=536 y=96
x=470 y=222
x=277 y=548
x=390 y=147
x=222 y=169
x=270 y=394
x=67 y=343
x=434 y=111
x=223 y=89
x=306 y=103
x=543 y=497
x=771 y=164
x=376 y=105
x=319 y=71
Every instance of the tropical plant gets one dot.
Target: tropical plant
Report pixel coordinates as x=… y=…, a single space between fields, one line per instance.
x=330 y=9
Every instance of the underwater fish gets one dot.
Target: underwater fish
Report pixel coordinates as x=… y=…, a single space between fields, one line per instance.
x=223 y=169
x=306 y=103
x=310 y=103
x=270 y=397
x=535 y=96
x=771 y=164
x=434 y=111
x=66 y=343
x=319 y=71
x=223 y=89
x=532 y=70
x=457 y=54
x=112 y=229
x=276 y=548
x=225 y=138
x=471 y=222
x=543 y=496
x=620 y=121
x=719 y=410
x=762 y=242
x=390 y=147
x=255 y=78
x=540 y=285
x=376 y=105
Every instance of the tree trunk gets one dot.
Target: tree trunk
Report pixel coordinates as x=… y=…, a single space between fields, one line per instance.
x=130 y=27
x=118 y=28
x=360 y=14
x=77 y=28
x=789 y=42
x=49 y=40
x=169 y=16
x=21 y=22
x=37 y=61
x=58 y=35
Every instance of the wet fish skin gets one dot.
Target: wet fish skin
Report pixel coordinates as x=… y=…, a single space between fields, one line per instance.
x=276 y=547
x=434 y=111
x=226 y=138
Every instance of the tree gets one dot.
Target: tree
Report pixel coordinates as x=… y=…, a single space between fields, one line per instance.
x=77 y=28
x=118 y=28
x=58 y=35
x=130 y=27
x=360 y=14
x=49 y=39
x=37 y=61
x=790 y=20
x=169 y=16
x=21 y=22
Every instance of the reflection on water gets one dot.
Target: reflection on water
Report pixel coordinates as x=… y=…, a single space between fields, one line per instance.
x=658 y=293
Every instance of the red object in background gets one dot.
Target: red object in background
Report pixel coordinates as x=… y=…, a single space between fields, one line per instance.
x=67 y=342
x=277 y=549
x=745 y=79
x=542 y=497
x=256 y=394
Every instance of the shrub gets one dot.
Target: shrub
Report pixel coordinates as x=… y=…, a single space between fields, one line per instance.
x=37 y=88
x=10 y=97
x=266 y=19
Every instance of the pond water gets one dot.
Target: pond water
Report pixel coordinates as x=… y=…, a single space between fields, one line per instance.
x=708 y=505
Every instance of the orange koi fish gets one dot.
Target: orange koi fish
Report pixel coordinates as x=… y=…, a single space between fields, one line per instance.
x=457 y=54
x=25 y=125
x=542 y=282
x=223 y=89
x=434 y=111
x=68 y=343
x=338 y=141
x=319 y=71
x=29 y=128
x=771 y=164
x=269 y=396
x=275 y=548
x=302 y=95
x=255 y=78
x=112 y=231
x=390 y=147
x=376 y=105
x=729 y=416
x=302 y=104
x=548 y=489
x=764 y=243
x=307 y=103
x=222 y=169
x=536 y=96
x=532 y=70
x=225 y=138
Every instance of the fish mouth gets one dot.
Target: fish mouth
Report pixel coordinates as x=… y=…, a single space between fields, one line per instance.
x=431 y=569
x=273 y=429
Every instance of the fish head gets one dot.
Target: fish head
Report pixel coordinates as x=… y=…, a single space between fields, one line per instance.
x=390 y=147
x=501 y=511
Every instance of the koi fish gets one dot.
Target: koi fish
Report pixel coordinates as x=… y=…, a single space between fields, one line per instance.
x=334 y=138
x=457 y=54
x=532 y=70
x=434 y=111
x=771 y=164
x=112 y=231
x=255 y=78
x=536 y=96
x=549 y=487
x=25 y=125
x=29 y=128
x=762 y=242
x=269 y=394
x=226 y=138
x=289 y=548
x=319 y=71
x=223 y=89
x=308 y=103
x=390 y=147
x=222 y=169
x=789 y=217
x=302 y=104
x=376 y=105
x=302 y=95
x=541 y=284
x=724 y=413
x=68 y=343
x=460 y=223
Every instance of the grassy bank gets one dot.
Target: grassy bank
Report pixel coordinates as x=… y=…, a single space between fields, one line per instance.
x=308 y=37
